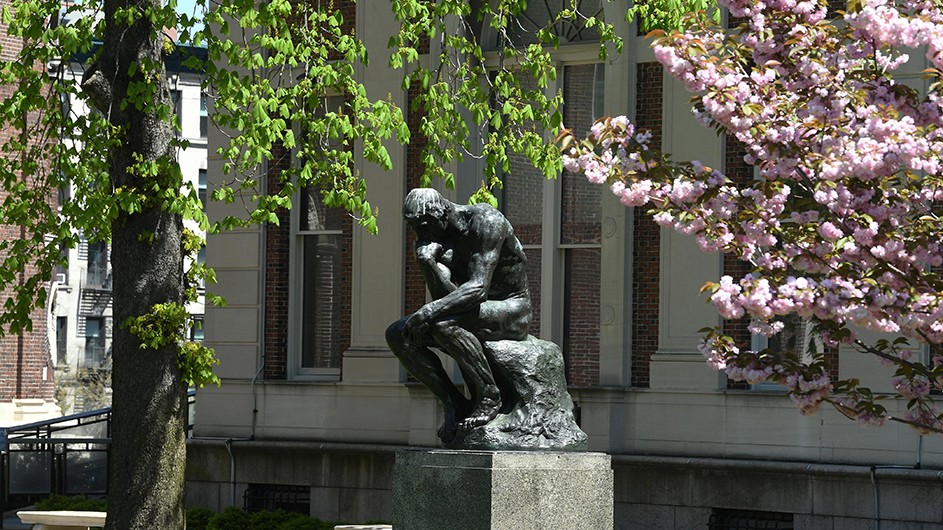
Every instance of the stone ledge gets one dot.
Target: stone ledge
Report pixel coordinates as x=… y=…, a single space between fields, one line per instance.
x=62 y=520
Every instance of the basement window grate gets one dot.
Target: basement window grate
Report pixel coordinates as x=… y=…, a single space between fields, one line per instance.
x=273 y=497
x=724 y=519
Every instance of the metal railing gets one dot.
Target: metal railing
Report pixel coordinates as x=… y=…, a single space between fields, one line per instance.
x=94 y=355
x=66 y=456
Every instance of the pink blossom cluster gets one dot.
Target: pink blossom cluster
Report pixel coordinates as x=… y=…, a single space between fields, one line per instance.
x=808 y=392
x=843 y=226
x=867 y=418
x=924 y=419
x=912 y=387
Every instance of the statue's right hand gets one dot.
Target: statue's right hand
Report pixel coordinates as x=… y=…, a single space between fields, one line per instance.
x=429 y=252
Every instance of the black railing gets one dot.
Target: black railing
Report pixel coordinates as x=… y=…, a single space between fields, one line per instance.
x=94 y=355
x=66 y=456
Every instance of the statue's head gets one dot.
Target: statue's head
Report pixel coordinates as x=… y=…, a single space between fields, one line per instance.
x=426 y=211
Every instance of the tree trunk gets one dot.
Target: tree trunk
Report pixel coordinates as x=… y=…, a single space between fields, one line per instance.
x=148 y=449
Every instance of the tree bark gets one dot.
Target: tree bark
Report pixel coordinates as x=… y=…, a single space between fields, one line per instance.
x=149 y=411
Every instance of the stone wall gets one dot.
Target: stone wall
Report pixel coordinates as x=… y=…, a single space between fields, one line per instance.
x=353 y=483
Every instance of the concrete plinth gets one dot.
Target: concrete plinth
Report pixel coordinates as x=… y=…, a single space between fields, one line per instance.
x=502 y=490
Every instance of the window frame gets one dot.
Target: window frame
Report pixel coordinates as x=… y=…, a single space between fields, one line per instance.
x=298 y=238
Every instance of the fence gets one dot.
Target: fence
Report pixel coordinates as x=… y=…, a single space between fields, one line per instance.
x=67 y=456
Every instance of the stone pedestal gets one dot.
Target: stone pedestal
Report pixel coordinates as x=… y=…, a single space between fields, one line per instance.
x=502 y=490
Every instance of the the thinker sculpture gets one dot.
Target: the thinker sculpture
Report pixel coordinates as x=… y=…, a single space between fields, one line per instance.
x=475 y=269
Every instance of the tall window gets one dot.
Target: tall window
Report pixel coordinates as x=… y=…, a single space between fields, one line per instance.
x=62 y=336
x=94 y=342
x=201 y=259
x=320 y=236
x=196 y=328
x=204 y=116
x=581 y=234
x=97 y=276
x=201 y=187
x=321 y=250
x=176 y=99
x=575 y=245
x=62 y=268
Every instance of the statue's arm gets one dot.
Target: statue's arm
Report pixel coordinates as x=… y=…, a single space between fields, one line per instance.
x=487 y=241
x=437 y=276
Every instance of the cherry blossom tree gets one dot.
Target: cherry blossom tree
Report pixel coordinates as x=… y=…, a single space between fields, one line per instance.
x=842 y=225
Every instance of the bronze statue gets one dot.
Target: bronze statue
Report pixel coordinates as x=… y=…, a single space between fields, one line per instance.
x=475 y=269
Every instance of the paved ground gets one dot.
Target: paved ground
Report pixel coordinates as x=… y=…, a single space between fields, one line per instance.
x=12 y=522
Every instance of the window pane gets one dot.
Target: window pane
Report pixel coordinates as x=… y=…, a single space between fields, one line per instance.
x=315 y=215
x=201 y=187
x=97 y=275
x=582 y=211
x=204 y=122
x=523 y=30
x=62 y=334
x=196 y=328
x=797 y=336
x=94 y=342
x=523 y=200
x=321 y=302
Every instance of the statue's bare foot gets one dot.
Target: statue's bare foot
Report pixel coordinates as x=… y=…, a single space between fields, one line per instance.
x=450 y=427
x=486 y=410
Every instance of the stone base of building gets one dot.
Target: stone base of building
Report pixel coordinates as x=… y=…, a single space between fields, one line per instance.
x=497 y=490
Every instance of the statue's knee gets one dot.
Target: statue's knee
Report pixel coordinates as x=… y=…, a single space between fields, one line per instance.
x=394 y=336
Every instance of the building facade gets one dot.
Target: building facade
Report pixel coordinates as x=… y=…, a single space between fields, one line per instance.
x=313 y=405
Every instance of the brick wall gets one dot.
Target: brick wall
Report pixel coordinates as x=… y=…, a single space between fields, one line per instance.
x=23 y=356
x=277 y=244
x=740 y=173
x=646 y=240
x=415 y=286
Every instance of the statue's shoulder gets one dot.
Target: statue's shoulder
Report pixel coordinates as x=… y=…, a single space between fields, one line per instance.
x=486 y=218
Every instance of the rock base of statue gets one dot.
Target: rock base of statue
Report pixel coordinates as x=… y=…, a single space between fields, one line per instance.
x=537 y=411
x=497 y=490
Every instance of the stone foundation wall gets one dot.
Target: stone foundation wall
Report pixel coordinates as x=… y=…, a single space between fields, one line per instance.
x=353 y=482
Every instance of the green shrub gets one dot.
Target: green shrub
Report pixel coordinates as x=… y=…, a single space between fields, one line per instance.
x=198 y=518
x=71 y=503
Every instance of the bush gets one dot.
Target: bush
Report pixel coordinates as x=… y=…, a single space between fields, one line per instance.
x=198 y=518
x=233 y=518
x=71 y=503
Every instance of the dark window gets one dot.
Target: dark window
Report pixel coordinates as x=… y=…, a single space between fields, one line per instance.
x=94 y=342
x=62 y=268
x=176 y=101
x=62 y=335
x=322 y=243
x=204 y=116
x=196 y=328
x=581 y=234
x=201 y=187
x=201 y=259
x=273 y=497
x=97 y=276
x=723 y=519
